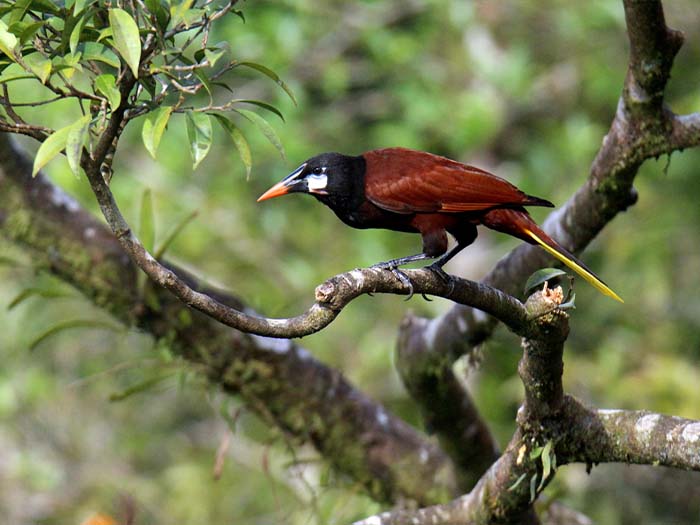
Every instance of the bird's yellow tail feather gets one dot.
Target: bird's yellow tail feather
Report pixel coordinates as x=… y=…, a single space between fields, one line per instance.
x=575 y=266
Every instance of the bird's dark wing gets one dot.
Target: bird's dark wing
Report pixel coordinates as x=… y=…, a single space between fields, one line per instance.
x=407 y=181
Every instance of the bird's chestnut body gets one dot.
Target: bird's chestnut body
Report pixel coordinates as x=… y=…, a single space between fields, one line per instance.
x=412 y=191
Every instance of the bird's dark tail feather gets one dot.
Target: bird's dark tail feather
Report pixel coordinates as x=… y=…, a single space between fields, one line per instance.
x=536 y=201
x=520 y=224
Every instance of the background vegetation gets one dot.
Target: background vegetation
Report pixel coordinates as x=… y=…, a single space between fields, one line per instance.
x=525 y=89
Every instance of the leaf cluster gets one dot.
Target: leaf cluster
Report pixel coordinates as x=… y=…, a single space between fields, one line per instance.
x=151 y=58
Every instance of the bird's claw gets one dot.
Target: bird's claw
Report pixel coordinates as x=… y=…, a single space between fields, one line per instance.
x=400 y=276
x=403 y=279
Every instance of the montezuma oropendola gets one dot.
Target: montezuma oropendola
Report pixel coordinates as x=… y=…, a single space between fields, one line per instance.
x=412 y=191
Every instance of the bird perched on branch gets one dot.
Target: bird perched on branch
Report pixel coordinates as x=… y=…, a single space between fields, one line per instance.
x=412 y=191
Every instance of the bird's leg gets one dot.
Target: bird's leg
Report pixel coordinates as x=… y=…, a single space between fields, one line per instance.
x=393 y=265
x=436 y=266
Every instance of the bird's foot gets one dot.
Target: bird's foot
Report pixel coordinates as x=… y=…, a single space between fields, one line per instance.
x=400 y=276
x=403 y=279
x=443 y=275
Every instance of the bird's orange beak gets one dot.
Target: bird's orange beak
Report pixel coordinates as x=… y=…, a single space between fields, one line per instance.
x=290 y=184
x=281 y=188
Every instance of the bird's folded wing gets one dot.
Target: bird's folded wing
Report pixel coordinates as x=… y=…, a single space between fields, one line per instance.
x=406 y=183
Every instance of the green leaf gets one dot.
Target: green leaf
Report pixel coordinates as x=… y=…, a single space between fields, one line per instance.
x=57 y=141
x=270 y=74
x=204 y=79
x=106 y=85
x=8 y=42
x=75 y=35
x=14 y=76
x=104 y=33
x=51 y=147
x=79 y=5
x=153 y=6
x=140 y=387
x=154 y=127
x=68 y=64
x=199 y=135
x=264 y=105
x=30 y=30
x=178 y=12
x=533 y=487
x=517 y=482
x=19 y=9
x=174 y=233
x=538 y=278
x=214 y=56
x=41 y=292
x=100 y=53
x=46 y=7
x=147 y=229
x=161 y=12
x=126 y=38
x=239 y=141
x=9 y=261
x=214 y=53
x=536 y=452
x=75 y=142
x=264 y=126
x=39 y=65
x=546 y=463
x=77 y=323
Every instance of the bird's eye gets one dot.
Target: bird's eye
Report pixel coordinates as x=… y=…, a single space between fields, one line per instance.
x=317 y=171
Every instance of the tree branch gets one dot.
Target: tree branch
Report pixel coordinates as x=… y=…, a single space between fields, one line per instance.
x=505 y=492
x=554 y=429
x=641 y=129
x=447 y=410
x=631 y=436
x=281 y=381
x=331 y=296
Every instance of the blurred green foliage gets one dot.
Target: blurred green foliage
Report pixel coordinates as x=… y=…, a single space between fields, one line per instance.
x=525 y=89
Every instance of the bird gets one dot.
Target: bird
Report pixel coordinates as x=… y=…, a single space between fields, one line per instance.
x=414 y=191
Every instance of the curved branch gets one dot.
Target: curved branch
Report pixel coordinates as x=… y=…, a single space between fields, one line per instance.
x=280 y=380
x=331 y=296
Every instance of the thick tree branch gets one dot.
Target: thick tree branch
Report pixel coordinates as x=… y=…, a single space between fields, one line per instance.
x=630 y=436
x=641 y=129
x=554 y=429
x=447 y=410
x=278 y=379
x=505 y=492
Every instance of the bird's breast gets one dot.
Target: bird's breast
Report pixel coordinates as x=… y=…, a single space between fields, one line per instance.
x=367 y=215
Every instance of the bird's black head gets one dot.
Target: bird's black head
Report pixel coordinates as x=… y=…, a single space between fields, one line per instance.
x=336 y=180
